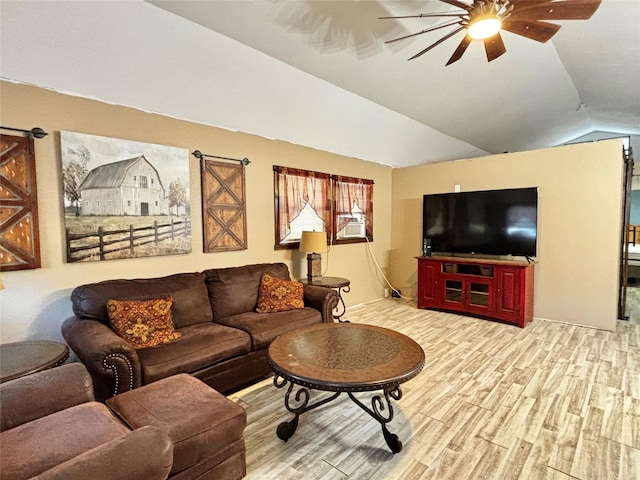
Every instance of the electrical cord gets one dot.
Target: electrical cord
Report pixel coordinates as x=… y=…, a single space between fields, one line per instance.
x=380 y=272
x=327 y=263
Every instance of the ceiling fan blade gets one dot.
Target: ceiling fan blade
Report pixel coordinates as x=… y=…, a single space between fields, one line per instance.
x=444 y=25
x=462 y=47
x=457 y=3
x=447 y=36
x=494 y=46
x=560 y=10
x=533 y=29
x=423 y=15
x=530 y=2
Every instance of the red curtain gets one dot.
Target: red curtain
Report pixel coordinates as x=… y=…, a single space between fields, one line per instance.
x=348 y=192
x=295 y=189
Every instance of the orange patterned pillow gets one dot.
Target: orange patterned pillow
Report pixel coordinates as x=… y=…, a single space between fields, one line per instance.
x=143 y=323
x=277 y=295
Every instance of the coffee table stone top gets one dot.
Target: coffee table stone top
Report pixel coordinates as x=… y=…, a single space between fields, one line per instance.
x=346 y=357
x=22 y=358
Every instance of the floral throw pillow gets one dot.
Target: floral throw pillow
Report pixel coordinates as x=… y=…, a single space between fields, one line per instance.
x=277 y=295
x=143 y=323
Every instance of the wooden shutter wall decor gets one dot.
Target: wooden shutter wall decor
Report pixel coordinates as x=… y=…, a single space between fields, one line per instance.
x=19 y=238
x=224 y=225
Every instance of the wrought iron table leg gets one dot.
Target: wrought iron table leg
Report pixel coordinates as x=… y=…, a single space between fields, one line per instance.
x=342 y=308
x=381 y=409
x=377 y=411
x=285 y=430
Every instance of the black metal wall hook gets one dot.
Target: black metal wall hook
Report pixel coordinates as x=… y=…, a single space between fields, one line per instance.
x=198 y=154
x=35 y=132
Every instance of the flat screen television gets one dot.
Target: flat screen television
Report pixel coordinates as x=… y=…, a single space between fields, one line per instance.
x=490 y=222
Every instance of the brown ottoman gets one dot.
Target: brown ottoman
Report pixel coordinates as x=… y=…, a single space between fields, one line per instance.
x=205 y=427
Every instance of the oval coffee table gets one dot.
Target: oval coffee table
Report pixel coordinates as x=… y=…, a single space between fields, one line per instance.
x=344 y=358
x=23 y=358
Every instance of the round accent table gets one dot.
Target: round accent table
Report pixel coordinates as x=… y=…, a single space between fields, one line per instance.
x=341 y=285
x=23 y=358
x=343 y=358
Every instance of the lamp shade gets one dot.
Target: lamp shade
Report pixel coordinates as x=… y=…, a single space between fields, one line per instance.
x=313 y=242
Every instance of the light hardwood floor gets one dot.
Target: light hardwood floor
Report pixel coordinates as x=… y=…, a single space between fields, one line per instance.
x=550 y=401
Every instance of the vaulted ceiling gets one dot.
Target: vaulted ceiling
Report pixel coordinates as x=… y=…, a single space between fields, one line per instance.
x=319 y=73
x=586 y=79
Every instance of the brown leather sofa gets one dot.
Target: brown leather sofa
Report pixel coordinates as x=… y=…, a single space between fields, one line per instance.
x=224 y=340
x=52 y=429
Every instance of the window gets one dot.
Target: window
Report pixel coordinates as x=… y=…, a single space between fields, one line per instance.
x=306 y=200
x=352 y=209
x=302 y=202
x=128 y=203
x=143 y=182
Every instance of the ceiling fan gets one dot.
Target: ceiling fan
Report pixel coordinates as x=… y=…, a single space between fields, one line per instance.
x=484 y=19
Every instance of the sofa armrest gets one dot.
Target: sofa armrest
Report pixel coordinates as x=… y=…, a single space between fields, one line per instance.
x=112 y=362
x=34 y=396
x=322 y=299
x=143 y=454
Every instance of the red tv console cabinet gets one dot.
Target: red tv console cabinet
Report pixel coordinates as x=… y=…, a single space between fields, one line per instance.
x=499 y=289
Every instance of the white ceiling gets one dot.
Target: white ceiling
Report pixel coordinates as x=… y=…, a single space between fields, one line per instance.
x=586 y=79
x=318 y=73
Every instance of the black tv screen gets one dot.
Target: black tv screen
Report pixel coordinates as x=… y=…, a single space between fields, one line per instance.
x=491 y=222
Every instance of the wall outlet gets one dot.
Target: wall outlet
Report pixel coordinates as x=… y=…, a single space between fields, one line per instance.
x=386 y=293
x=395 y=293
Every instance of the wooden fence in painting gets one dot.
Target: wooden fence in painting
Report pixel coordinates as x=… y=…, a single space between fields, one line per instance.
x=98 y=244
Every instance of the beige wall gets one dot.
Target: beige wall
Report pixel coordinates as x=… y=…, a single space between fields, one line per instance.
x=579 y=213
x=35 y=302
x=579 y=222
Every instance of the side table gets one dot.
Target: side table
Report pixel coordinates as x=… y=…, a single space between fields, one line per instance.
x=23 y=358
x=341 y=285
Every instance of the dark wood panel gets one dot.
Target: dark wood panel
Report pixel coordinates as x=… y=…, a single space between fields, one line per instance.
x=19 y=232
x=224 y=225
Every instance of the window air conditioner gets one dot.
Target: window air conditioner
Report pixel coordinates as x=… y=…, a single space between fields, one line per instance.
x=354 y=228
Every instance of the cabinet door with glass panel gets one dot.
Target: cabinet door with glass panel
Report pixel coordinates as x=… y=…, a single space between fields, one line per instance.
x=468 y=287
x=471 y=295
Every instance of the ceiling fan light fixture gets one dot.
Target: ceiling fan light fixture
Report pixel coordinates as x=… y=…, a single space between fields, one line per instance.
x=485 y=19
x=484 y=26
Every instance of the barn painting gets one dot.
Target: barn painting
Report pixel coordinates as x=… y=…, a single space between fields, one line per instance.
x=127 y=187
x=124 y=199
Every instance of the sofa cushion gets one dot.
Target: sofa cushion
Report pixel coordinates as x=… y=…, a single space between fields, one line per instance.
x=190 y=297
x=234 y=290
x=41 y=444
x=145 y=453
x=200 y=346
x=143 y=323
x=276 y=295
x=44 y=392
x=198 y=420
x=265 y=327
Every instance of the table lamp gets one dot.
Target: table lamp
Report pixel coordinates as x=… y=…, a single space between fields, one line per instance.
x=313 y=243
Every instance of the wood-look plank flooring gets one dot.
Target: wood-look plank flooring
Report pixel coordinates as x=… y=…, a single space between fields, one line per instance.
x=550 y=401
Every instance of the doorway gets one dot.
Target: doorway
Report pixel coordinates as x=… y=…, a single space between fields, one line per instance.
x=629 y=302
x=144 y=209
